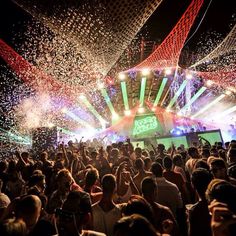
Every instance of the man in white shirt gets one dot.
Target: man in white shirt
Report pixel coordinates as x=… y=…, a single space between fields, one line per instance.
x=106 y=213
x=168 y=193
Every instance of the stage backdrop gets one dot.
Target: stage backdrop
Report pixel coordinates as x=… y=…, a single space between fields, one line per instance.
x=146 y=125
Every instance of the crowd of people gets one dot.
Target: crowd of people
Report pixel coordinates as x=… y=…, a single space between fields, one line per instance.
x=88 y=189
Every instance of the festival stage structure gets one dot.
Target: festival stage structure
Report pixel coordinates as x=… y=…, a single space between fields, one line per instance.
x=156 y=98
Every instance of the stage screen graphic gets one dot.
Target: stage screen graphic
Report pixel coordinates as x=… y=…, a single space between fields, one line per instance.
x=146 y=126
x=178 y=140
x=212 y=136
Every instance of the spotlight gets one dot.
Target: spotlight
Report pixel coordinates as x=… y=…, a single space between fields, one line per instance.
x=100 y=85
x=153 y=108
x=50 y=125
x=115 y=116
x=168 y=110
x=122 y=76
x=179 y=114
x=228 y=92
x=82 y=97
x=189 y=76
x=127 y=112
x=168 y=71
x=141 y=110
x=145 y=72
x=64 y=110
x=209 y=83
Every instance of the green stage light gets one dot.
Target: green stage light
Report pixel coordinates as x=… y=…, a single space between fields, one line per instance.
x=142 y=91
x=92 y=109
x=124 y=95
x=193 y=99
x=161 y=89
x=180 y=90
x=108 y=100
x=209 y=105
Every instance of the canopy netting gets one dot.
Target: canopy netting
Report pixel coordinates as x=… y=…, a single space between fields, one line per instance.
x=226 y=46
x=167 y=54
x=90 y=36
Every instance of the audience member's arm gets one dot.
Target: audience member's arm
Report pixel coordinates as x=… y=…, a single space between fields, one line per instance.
x=21 y=163
x=221 y=219
x=133 y=186
x=65 y=155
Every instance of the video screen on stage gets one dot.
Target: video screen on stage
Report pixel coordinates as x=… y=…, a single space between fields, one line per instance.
x=176 y=140
x=211 y=136
x=146 y=126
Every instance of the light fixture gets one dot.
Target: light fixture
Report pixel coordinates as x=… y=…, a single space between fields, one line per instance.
x=64 y=110
x=209 y=83
x=145 y=71
x=153 y=108
x=82 y=97
x=141 y=110
x=50 y=125
x=127 y=112
x=115 y=116
x=228 y=92
x=121 y=76
x=189 y=76
x=168 y=71
x=100 y=85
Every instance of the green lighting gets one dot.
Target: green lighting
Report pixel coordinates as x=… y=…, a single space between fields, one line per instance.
x=180 y=90
x=161 y=89
x=142 y=91
x=92 y=109
x=209 y=105
x=193 y=99
x=108 y=101
x=9 y=136
x=145 y=125
x=124 y=94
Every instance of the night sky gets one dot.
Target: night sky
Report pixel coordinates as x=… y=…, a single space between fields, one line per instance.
x=219 y=18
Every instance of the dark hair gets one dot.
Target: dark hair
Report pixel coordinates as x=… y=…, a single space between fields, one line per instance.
x=202 y=164
x=192 y=151
x=139 y=163
x=148 y=186
x=206 y=152
x=200 y=179
x=133 y=225
x=27 y=205
x=222 y=191
x=218 y=163
x=108 y=183
x=167 y=163
x=13 y=227
x=157 y=169
x=177 y=158
x=91 y=176
x=232 y=171
x=138 y=205
x=34 y=179
x=77 y=201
